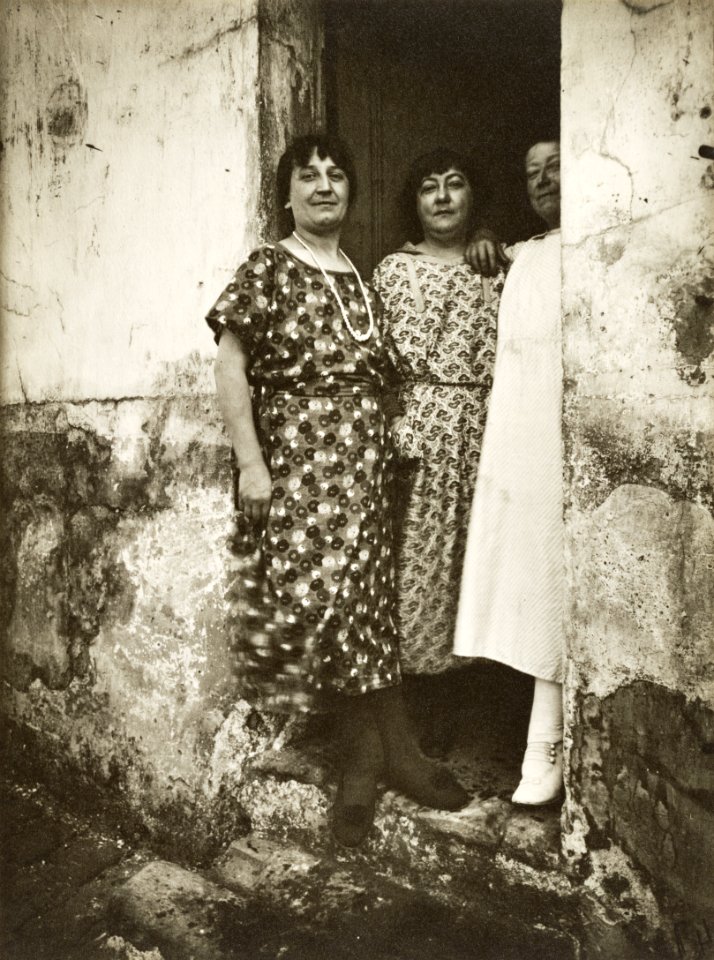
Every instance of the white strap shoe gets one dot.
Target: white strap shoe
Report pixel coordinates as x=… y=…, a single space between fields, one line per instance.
x=541 y=775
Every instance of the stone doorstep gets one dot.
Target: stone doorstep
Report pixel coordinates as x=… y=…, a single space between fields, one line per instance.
x=532 y=836
x=529 y=836
x=281 y=807
x=505 y=857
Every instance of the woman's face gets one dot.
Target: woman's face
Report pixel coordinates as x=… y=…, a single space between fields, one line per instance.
x=319 y=195
x=444 y=202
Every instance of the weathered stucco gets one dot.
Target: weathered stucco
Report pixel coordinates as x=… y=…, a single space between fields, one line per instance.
x=135 y=175
x=130 y=182
x=638 y=82
x=291 y=40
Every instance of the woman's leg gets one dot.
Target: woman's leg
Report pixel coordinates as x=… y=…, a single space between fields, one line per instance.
x=361 y=765
x=407 y=769
x=542 y=769
x=438 y=712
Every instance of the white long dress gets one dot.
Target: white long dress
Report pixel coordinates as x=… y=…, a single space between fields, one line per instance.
x=511 y=602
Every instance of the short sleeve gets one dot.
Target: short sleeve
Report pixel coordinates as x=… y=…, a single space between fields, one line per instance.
x=382 y=279
x=245 y=305
x=512 y=252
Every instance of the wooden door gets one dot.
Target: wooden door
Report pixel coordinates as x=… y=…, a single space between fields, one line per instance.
x=405 y=76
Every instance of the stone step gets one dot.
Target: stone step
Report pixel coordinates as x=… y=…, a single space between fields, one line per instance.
x=490 y=846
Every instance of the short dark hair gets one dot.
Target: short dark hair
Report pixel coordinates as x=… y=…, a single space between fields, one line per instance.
x=541 y=136
x=435 y=161
x=298 y=153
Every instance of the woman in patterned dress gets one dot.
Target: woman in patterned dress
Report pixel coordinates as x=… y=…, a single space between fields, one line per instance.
x=311 y=603
x=440 y=329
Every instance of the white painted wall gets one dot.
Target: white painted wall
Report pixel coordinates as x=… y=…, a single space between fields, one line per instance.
x=110 y=256
x=638 y=202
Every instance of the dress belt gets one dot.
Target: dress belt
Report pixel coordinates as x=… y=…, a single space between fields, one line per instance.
x=440 y=383
x=326 y=392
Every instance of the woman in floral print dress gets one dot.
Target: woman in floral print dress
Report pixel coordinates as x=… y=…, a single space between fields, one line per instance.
x=440 y=329
x=312 y=597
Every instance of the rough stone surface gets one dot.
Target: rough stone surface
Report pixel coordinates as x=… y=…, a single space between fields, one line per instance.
x=646 y=565
x=639 y=439
x=255 y=862
x=645 y=756
x=177 y=910
x=119 y=949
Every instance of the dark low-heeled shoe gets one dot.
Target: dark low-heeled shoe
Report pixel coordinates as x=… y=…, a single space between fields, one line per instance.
x=351 y=822
x=430 y=785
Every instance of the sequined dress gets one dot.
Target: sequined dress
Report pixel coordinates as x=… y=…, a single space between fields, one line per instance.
x=310 y=603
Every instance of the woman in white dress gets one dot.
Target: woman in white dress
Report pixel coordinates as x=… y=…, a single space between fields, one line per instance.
x=511 y=602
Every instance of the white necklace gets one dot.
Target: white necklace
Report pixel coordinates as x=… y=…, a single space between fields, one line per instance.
x=360 y=337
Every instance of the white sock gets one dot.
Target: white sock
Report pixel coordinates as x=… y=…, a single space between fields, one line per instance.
x=546 y=723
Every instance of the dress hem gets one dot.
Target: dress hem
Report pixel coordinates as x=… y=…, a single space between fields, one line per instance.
x=558 y=678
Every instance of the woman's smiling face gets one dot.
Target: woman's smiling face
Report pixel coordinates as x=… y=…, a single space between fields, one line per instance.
x=444 y=203
x=319 y=195
x=543 y=178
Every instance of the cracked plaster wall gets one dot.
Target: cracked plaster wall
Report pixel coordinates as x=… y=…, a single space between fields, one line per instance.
x=134 y=153
x=130 y=166
x=638 y=295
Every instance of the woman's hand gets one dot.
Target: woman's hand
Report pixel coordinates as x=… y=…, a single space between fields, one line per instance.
x=395 y=423
x=255 y=489
x=485 y=253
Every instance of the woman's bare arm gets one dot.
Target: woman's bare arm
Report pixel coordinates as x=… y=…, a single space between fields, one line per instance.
x=234 y=400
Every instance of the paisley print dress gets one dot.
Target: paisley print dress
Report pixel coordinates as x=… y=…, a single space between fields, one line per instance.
x=440 y=330
x=310 y=602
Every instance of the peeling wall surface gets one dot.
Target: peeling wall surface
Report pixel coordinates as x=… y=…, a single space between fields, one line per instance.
x=132 y=185
x=130 y=167
x=638 y=294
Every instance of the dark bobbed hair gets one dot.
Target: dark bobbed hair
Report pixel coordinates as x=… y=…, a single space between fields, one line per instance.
x=298 y=153
x=435 y=161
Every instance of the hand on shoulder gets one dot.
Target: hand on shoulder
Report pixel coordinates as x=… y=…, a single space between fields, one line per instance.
x=486 y=253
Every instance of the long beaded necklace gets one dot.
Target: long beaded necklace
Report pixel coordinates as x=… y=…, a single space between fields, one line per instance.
x=360 y=337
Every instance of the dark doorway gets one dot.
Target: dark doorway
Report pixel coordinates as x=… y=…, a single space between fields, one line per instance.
x=405 y=76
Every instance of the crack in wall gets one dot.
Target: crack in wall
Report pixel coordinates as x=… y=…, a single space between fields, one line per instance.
x=634 y=220
x=16 y=283
x=21 y=381
x=15 y=312
x=611 y=112
x=196 y=48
